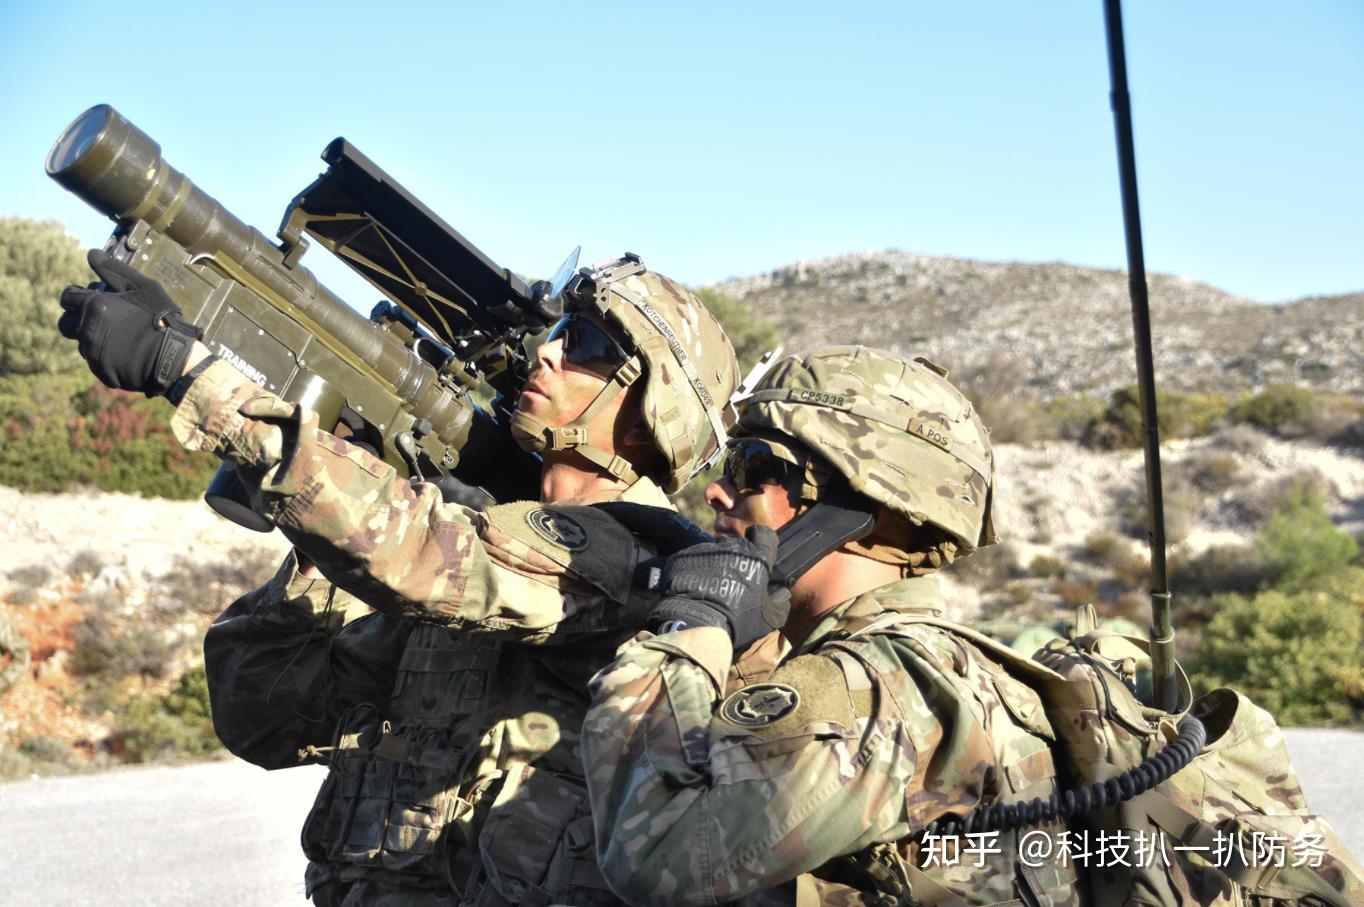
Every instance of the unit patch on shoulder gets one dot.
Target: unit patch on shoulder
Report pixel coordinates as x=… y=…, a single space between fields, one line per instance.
x=558 y=528
x=760 y=704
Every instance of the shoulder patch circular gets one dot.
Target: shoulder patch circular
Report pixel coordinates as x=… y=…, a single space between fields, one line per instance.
x=558 y=528
x=760 y=704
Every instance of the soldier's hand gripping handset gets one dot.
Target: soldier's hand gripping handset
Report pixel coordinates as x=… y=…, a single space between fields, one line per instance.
x=720 y=584
x=877 y=723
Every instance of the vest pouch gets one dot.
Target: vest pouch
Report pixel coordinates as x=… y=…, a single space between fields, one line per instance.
x=329 y=822
x=422 y=802
x=531 y=845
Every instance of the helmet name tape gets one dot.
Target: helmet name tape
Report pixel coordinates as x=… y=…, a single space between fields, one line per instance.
x=676 y=346
x=821 y=398
x=684 y=362
x=920 y=428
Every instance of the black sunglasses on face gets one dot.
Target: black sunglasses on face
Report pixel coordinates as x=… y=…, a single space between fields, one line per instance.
x=752 y=464
x=586 y=342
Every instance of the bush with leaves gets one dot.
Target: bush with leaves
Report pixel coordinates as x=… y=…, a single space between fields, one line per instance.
x=1178 y=415
x=1072 y=417
x=61 y=431
x=1181 y=502
x=989 y=568
x=207 y=586
x=1299 y=543
x=1284 y=409
x=102 y=650
x=1220 y=569
x=1044 y=566
x=1213 y=471
x=37 y=260
x=175 y=726
x=752 y=335
x=1298 y=654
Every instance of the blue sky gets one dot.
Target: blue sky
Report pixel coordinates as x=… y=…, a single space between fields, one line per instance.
x=721 y=140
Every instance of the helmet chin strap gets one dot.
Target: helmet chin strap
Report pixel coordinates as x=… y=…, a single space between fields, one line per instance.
x=539 y=437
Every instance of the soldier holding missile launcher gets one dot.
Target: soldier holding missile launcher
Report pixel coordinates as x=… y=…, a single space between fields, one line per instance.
x=451 y=716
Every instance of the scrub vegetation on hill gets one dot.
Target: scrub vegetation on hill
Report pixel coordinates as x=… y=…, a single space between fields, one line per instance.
x=1265 y=566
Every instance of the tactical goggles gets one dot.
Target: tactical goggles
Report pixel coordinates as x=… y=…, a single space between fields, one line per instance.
x=752 y=463
x=586 y=342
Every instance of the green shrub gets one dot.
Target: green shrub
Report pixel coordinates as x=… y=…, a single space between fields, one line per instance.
x=1212 y=471
x=61 y=431
x=45 y=749
x=1220 y=569
x=1133 y=572
x=101 y=651
x=1180 y=502
x=1047 y=567
x=1190 y=415
x=37 y=259
x=1246 y=440
x=752 y=335
x=33 y=575
x=1104 y=547
x=85 y=564
x=176 y=726
x=1178 y=415
x=1259 y=502
x=1299 y=543
x=1072 y=417
x=1074 y=593
x=1280 y=408
x=1296 y=654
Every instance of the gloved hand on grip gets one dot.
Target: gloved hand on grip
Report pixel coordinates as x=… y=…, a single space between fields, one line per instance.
x=719 y=584
x=130 y=333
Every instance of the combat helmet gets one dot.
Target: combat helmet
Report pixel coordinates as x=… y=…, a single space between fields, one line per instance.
x=896 y=429
x=679 y=350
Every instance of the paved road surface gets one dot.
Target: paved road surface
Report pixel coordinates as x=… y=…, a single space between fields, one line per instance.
x=226 y=833
x=218 y=833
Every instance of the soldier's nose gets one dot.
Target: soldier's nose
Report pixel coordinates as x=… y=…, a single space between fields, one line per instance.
x=720 y=495
x=551 y=354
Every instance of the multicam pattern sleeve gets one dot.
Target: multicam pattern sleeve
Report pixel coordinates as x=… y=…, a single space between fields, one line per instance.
x=699 y=801
x=394 y=544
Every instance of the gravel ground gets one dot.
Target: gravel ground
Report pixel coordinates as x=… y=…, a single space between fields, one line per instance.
x=226 y=833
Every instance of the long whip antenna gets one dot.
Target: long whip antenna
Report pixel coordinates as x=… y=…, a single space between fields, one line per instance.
x=1162 y=627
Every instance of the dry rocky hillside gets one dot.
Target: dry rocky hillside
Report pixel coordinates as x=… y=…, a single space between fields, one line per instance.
x=170 y=565
x=113 y=592
x=1070 y=325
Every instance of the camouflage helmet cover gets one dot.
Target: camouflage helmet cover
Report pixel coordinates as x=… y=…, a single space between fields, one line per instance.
x=690 y=368
x=896 y=429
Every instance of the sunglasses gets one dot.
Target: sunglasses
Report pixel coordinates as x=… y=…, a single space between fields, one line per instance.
x=751 y=464
x=586 y=342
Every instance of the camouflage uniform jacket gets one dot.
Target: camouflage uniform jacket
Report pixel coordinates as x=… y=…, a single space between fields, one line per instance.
x=454 y=740
x=862 y=736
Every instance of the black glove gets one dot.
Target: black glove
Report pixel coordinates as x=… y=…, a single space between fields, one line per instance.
x=129 y=332
x=720 y=584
